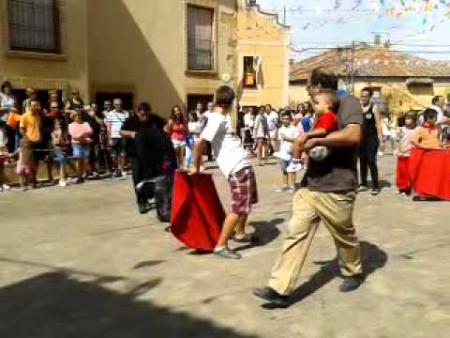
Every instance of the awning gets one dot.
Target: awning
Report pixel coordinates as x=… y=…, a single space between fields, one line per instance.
x=419 y=80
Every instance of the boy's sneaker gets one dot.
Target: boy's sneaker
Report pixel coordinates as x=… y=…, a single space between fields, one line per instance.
x=6 y=187
x=291 y=190
x=227 y=253
x=123 y=175
x=362 y=188
x=282 y=156
x=282 y=189
x=62 y=183
x=294 y=167
x=246 y=238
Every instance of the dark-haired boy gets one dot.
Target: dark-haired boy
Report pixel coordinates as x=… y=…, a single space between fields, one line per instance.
x=232 y=160
x=427 y=136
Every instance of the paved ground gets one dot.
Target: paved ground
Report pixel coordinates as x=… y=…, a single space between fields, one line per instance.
x=80 y=262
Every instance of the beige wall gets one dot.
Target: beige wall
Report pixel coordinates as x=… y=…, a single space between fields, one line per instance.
x=46 y=71
x=260 y=35
x=140 y=46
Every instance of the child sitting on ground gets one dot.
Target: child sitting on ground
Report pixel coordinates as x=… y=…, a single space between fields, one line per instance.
x=427 y=136
x=287 y=135
x=326 y=104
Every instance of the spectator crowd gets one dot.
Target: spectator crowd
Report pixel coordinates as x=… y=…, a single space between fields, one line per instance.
x=91 y=142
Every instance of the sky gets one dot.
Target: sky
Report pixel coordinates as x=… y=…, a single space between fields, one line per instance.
x=421 y=27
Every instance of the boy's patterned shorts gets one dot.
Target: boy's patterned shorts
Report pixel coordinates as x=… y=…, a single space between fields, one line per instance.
x=244 y=192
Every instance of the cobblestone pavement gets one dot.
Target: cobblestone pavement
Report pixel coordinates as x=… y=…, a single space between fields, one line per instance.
x=81 y=262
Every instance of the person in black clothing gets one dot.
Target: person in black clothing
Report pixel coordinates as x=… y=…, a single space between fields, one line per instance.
x=148 y=147
x=94 y=119
x=371 y=134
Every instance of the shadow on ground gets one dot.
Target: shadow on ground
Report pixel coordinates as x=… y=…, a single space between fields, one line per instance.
x=54 y=305
x=373 y=258
x=265 y=231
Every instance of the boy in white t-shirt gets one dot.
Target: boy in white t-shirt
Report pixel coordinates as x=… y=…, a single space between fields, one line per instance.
x=233 y=161
x=287 y=134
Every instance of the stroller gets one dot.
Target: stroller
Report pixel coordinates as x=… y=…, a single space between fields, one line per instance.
x=156 y=155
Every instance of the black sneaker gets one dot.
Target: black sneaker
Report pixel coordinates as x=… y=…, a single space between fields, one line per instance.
x=375 y=191
x=351 y=283
x=272 y=297
x=144 y=208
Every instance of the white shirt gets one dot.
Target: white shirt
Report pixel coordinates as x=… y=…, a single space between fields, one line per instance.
x=289 y=132
x=116 y=119
x=6 y=101
x=227 y=147
x=272 y=120
x=249 y=120
x=195 y=127
x=386 y=126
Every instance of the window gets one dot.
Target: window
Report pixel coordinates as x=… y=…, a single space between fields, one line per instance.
x=249 y=80
x=34 y=25
x=200 y=38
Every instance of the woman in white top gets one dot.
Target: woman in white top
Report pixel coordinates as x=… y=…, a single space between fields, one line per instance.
x=247 y=131
x=387 y=131
x=261 y=135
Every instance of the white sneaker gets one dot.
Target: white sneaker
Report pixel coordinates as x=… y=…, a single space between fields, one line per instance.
x=6 y=187
x=380 y=153
x=291 y=190
x=282 y=189
x=294 y=167
x=62 y=183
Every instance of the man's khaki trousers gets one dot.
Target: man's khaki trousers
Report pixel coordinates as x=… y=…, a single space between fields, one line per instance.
x=309 y=208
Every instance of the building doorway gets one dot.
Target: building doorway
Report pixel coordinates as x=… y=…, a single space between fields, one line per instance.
x=193 y=99
x=127 y=99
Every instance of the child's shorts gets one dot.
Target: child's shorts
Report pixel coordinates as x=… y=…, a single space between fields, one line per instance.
x=284 y=165
x=23 y=169
x=177 y=144
x=80 y=151
x=60 y=156
x=244 y=192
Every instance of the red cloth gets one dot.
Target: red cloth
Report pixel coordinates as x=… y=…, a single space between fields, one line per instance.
x=403 y=177
x=197 y=213
x=327 y=121
x=430 y=172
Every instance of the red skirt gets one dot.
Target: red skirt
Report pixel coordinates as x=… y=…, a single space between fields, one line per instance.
x=430 y=172
x=403 y=178
x=197 y=213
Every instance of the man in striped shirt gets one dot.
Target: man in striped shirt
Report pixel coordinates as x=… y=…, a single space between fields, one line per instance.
x=114 y=120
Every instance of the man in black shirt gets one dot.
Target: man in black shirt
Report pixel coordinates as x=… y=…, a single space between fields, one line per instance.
x=147 y=145
x=328 y=194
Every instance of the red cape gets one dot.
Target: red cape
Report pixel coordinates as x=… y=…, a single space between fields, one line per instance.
x=197 y=213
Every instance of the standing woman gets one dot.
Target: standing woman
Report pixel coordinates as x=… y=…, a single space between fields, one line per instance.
x=177 y=130
x=261 y=135
x=371 y=135
x=81 y=134
x=301 y=110
x=7 y=104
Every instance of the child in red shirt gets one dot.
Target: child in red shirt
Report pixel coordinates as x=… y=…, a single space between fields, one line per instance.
x=326 y=104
